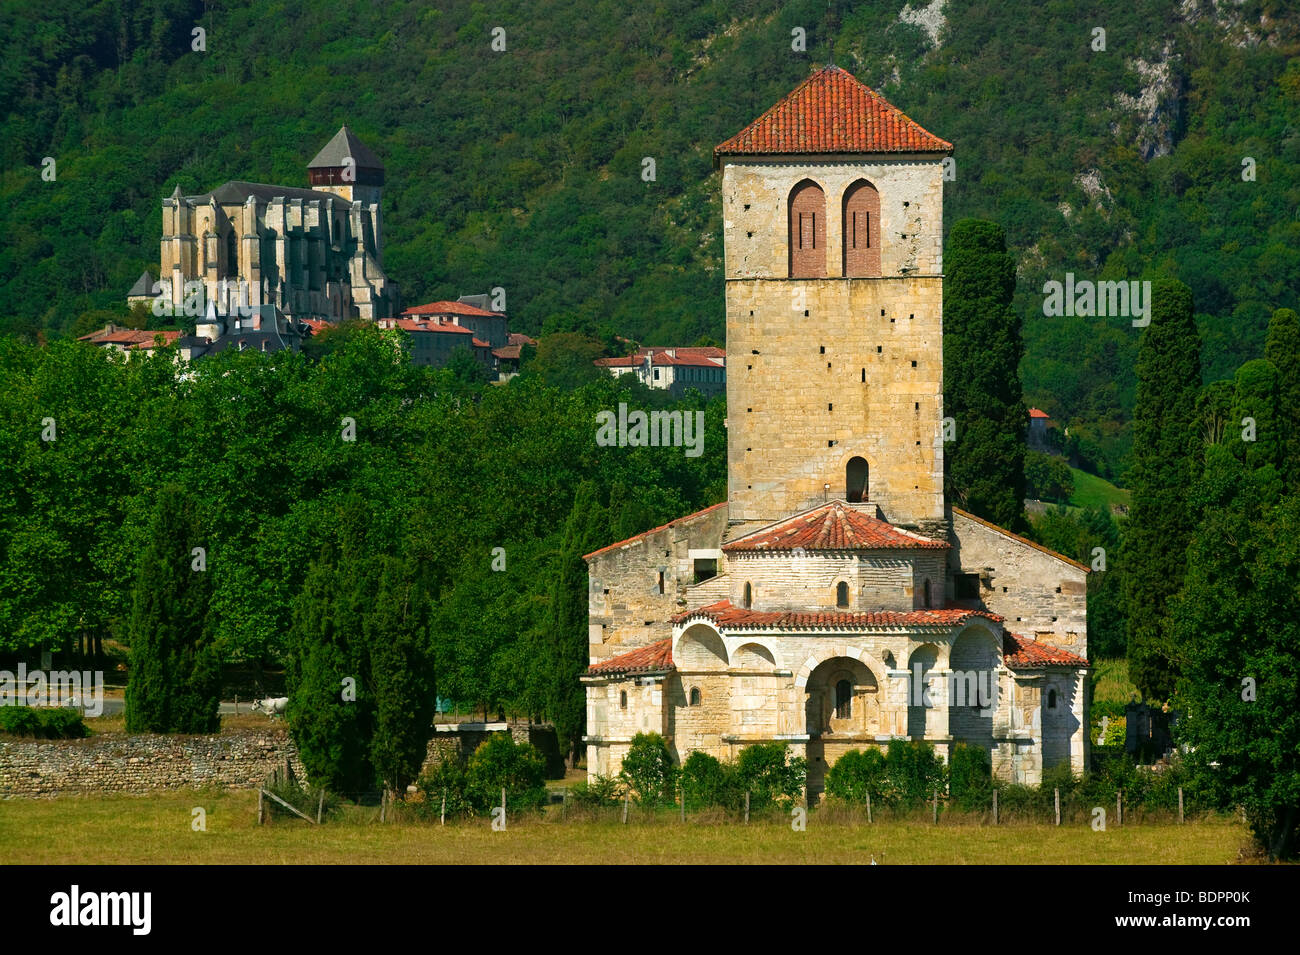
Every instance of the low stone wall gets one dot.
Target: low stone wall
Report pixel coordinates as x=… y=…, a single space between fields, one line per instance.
x=145 y=763
x=116 y=762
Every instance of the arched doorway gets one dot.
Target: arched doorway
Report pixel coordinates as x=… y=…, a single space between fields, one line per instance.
x=841 y=710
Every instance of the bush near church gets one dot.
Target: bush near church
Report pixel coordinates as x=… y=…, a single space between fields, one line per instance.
x=473 y=786
x=648 y=770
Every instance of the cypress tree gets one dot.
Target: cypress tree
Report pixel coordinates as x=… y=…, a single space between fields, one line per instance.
x=401 y=665
x=567 y=636
x=1159 y=528
x=1253 y=426
x=175 y=680
x=1283 y=350
x=982 y=350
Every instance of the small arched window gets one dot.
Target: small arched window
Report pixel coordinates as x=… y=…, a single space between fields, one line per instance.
x=841 y=594
x=807 y=209
x=695 y=696
x=1051 y=699
x=862 y=230
x=749 y=596
x=855 y=480
x=843 y=700
x=622 y=699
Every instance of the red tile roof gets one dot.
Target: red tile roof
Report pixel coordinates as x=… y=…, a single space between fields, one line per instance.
x=1024 y=540
x=724 y=615
x=317 y=324
x=832 y=112
x=624 y=361
x=833 y=526
x=426 y=325
x=447 y=308
x=1035 y=413
x=479 y=343
x=656 y=656
x=654 y=530
x=519 y=338
x=1021 y=653
x=169 y=338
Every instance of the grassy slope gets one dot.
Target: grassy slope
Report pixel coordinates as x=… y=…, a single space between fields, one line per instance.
x=156 y=829
x=1110 y=682
x=1093 y=491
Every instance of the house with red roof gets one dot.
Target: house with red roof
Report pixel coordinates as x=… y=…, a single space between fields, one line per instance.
x=835 y=600
x=676 y=370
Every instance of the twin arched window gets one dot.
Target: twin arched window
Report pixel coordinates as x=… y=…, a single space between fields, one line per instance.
x=860 y=222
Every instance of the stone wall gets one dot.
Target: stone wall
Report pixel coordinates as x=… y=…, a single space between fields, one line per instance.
x=1042 y=595
x=116 y=762
x=626 y=609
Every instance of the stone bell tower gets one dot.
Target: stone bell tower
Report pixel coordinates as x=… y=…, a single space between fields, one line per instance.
x=833 y=231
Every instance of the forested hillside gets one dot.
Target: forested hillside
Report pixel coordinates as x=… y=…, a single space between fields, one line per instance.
x=523 y=168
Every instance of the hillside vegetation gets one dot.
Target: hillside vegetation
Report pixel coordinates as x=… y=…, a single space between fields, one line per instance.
x=523 y=168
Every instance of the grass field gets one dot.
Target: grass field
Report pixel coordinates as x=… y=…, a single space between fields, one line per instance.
x=157 y=829
x=1093 y=491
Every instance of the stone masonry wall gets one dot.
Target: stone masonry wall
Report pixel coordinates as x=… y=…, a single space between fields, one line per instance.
x=137 y=764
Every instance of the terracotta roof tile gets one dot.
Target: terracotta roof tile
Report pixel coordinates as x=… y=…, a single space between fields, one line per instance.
x=724 y=615
x=833 y=526
x=832 y=112
x=1021 y=653
x=447 y=308
x=656 y=656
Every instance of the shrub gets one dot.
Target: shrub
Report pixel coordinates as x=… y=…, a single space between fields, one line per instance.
x=970 y=778
x=648 y=770
x=44 y=722
x=500 y=762
x=449 y=779
x=857 y=774
x=708 y=782
x=769 y=775
x=597 y=791
x=915 y=771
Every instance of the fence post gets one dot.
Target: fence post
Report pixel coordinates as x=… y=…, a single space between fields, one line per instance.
x=261 y=811
x=995 y=807
x=626 y=799
x=442 y=816
x=1119 y=807
x=868 y=808
x=936 y=807
x=682 y=792
x=383 y=803
x=320 y=807
x=1180 y=805
x=1057 y=798
x=746 y=805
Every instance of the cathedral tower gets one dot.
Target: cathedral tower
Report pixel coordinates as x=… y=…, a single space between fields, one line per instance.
x=833 y=231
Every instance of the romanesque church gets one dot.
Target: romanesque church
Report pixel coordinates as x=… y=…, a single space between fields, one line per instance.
x=835 y=601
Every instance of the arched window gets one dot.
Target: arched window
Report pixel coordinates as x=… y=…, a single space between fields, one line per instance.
x=855 y=480
x=1051 y=699
x=843 y=700
x=862 y=230
x=622 y=699
x=841 y=594
x=807 y=231
x=749 y=596
x=695 y=696
x=927 y=603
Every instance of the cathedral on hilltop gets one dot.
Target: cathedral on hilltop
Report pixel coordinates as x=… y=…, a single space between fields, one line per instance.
x=270 y=257
x=835 y=600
